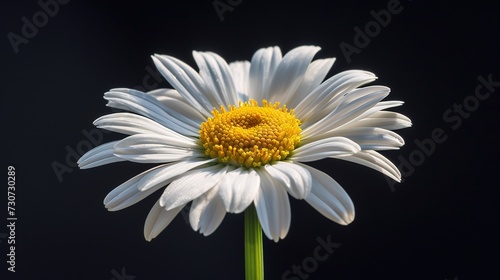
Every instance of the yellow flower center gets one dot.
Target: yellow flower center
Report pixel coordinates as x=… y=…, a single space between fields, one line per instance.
x=250 y=135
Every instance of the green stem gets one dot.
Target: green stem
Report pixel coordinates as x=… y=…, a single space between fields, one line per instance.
x=254 y=258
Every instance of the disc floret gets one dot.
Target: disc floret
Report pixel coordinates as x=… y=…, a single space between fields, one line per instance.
x=250 y=135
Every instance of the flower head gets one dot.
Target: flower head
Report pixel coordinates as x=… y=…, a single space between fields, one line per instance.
x=235 y=134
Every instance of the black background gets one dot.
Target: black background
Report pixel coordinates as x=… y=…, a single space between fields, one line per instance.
x=438 y=224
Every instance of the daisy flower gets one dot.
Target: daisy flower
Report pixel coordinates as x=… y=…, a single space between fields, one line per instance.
x=230 y=136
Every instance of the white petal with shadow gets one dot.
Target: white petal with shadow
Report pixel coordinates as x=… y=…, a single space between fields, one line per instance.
x=315 y=74
x=263 y=65
x=273 y=207
x=218 y=79
x=384 y=119
x=177 y=106
x=368 y=138
x=185 y=80
x=238 y=189
x=324 y=98
x=154 y=148
x=130 y=124
x=293 y=177
x=191 y=185
x=289 y=74
x=170 y=171
x=100 y=155
x=128 y=194
x=146 y=105
x=376 y=161
x=207 y=212
x=329 y=198
x=324 y=148
x=241 y=76
x=158 y=219
x=350 y=106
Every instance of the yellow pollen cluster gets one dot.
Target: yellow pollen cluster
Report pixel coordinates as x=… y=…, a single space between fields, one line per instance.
x=250 y=135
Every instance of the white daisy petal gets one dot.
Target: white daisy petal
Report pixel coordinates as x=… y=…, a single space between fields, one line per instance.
x=358 y=101
x=128 y=194
x=241 y=73
x=350 y=106
x=384 y=119
x=207 y=212
x=382 y=105
x=172 y=140
x=191 y=185
x=295 y=178
x=185 y=80
x=375 y=161
x=158 y=219
x=217 y=77
x=325 y=147
x=100 y=155
x=165 y=93
x=324 y=98
x=373 y=138
x=238 y=189
x=130 y=124
x=263 y=65
x=154 y=148
x=368 y=138
x=329 y=198
x=176 y=106
x=169 y=172
x=315 y=73
x=273 y=207
x=146 y=105
x=290 y=73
